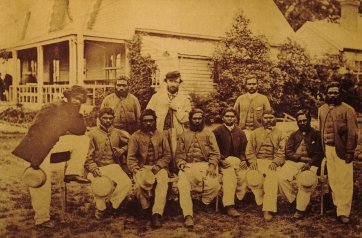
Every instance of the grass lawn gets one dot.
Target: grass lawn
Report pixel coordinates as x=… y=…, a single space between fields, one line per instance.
x=16 y=214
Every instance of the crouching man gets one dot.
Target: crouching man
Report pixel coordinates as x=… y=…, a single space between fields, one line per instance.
x=197 y=156
x=265 y=153
x=148 y=150
x=58 y=127
x=232 y=143
x=107 y=146
x=303 y=152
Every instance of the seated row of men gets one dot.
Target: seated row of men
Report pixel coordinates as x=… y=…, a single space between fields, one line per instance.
x=198 y=153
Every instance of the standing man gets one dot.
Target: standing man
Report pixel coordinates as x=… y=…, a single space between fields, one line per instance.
x=265 y=153
x=107 y=146
x=338 y=124
x=148 y=149
x=232 y=144
x=58 y=127
x=303 y=152
x=125 y=105
x=250 y=106
x=197 y=156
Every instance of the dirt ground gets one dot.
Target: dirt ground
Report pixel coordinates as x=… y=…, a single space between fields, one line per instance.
x=16 y=215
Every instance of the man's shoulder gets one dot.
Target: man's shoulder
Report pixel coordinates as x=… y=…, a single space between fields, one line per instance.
x=132 y=96
x=219 y=129
x=347 y=106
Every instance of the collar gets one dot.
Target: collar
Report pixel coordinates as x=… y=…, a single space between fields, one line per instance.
x=252 y=96
x=105 y=129
x=230 y=128
x=171 y=96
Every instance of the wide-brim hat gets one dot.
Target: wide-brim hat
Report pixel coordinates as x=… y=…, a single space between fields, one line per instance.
x=194 y=173
x=102 y=186
x=145 y=179
x=307 y=180
x=34 y=178
x=254 y=179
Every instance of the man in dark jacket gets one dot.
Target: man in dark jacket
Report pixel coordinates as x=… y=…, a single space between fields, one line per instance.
x=58 y=127
x=148 y=150
x=338 y=125
x=303 y=151
x=232 y=143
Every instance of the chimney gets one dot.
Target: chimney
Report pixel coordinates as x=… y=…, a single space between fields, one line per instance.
x=349 y=14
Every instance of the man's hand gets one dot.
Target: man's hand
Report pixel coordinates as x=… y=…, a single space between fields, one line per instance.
x=211 y=171
x=306 y=167
x=173 y=105
x=349 y=158
x=225 y=164
x=243 y=165
x=273 y=166
x=305 y=159
x=253 y=165
x=36 y=167
x=97 y=173
x=184 y=166
x=117 y=151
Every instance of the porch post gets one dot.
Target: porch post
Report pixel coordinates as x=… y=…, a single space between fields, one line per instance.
x=40 y=73
x=16 y=79
x=80 y=59
x=126 y=61
x=72 y=61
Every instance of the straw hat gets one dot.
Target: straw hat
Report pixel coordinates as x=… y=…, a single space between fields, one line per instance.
x=102 y=186
x=307 y=180
x=145 y=179
x=34 y=178
x=254 y=179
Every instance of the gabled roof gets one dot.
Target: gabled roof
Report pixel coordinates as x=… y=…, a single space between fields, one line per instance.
x=334 y=34
x=120 y=18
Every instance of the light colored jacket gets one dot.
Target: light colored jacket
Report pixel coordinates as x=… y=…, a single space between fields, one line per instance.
x=243 y=104
x=160 y=103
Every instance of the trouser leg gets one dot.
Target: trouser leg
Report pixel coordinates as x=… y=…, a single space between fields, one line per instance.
x=160 y=192
x=184 y=188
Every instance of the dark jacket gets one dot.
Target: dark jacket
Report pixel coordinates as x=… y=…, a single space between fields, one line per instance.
x=138 y=148
x=52 y=121
x=223 y=137
x=313 y=143
x=345 y=127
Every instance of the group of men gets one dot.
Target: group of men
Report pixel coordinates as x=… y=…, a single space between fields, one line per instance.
x=170 y=137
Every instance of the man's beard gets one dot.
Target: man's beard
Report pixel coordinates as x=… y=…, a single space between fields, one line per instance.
x=229 y=123
x=333 y=100
x=197 y=127
x=147 y=128
x=304 y=128
x=269 y=125
x=172 y=89
x=121 y=93
x=252 y=91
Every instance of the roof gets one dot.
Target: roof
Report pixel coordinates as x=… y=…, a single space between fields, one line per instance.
x=335 y=34
x=120 y=18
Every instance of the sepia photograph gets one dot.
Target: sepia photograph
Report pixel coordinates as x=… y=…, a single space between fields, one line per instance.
x=180 y=118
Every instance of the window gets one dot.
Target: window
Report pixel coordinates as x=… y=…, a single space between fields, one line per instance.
x=358 y=70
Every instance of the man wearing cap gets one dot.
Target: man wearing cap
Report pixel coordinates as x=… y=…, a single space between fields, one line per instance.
x=338 y=125
x=232 y=143
x=303 y=151
x=107 y=146
x=197 y=156
x=58 y=127
x=149 y=151
x=125 y=105
x=250 y=106
x=265 y=153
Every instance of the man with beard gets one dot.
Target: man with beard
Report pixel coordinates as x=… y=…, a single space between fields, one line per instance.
x=250 y=106
x=232 y=143
x=197 y=156
x=107 y=146
x=265 y=153
x=148 y=149
x=125 y=105
x=338 y=124
x=303 y=152
x=58 y=127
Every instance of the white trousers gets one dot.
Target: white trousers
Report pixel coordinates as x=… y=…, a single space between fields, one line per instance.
x=234 y=184
x=41 y=197
x=267 y=195
x=340 y=177
x=144 y=196
x=124 y=185
x=286 y=178
x=185 y=187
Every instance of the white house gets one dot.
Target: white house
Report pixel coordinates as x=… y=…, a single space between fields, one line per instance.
x=57 y=43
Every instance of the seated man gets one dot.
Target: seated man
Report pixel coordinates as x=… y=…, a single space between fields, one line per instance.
x=265 y=153
x=107 y=146
x=232 y=143
x=197 y=156
x=303 y=151
x=58 y=127
x=148 y=149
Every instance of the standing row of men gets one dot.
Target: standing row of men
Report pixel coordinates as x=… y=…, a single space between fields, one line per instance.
x=250 y=155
